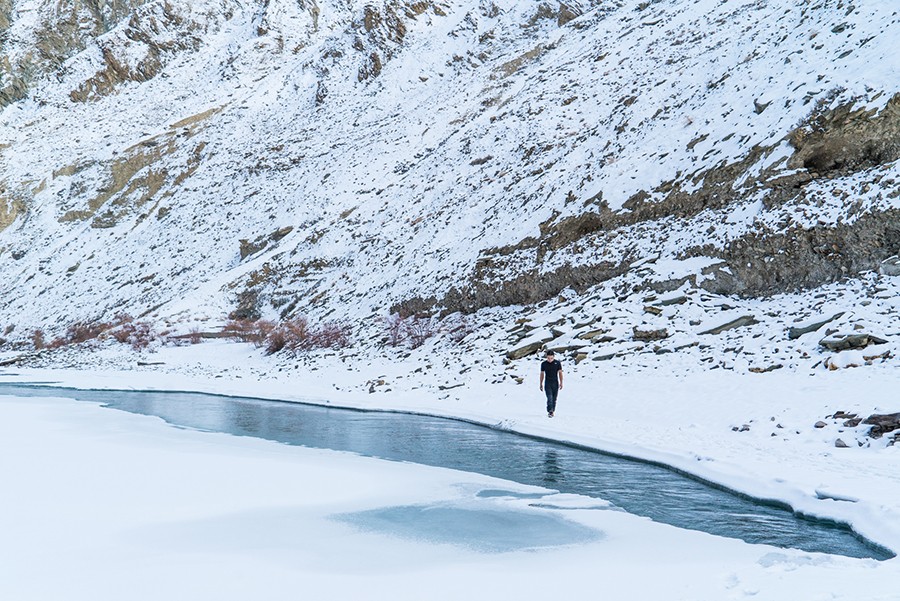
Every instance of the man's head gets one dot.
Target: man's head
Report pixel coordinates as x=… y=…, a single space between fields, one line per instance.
x=550 y=356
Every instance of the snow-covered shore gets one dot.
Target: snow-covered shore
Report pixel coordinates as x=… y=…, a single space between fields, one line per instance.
x=110 y=505
x=750 y=432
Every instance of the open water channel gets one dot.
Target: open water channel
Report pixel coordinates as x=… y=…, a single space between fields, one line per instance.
x=638 y=487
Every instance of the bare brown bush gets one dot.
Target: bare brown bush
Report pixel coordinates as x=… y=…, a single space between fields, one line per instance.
x=420 y=329
x=38 y=340
x=246 y=330
x=297 y=335
x=414 y=330
x=394 y=325
x=82 y=331
x=458 y=327
x=138 y=334
x=332 y=334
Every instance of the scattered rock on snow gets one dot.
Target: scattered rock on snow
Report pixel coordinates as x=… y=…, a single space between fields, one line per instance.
x=841 y=444
x=678 y=300
x=648 y=335
x=524 y=351
x=559 y=350
x=851 y=420
x=882 y=424
x=842 y=342
x=794 y=333
x=746 y=320
x=845 y=359
x=820 y=424
x=590 y=335
x=842 y=415
x=762 y=370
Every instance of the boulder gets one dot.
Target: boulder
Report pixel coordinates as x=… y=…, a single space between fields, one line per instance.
x=560 y=350
x=746 y=320
x=890 y=266
x=524 y=351
x=794 y=333
x=648 y=335
x=590 y=335
x=678 y=300
x=882 y=424
x=841 y=444
x=842 y=415
x=768 y=368
x=843 y=342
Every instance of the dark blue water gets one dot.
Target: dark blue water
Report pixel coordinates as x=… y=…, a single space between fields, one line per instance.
x=638 y=487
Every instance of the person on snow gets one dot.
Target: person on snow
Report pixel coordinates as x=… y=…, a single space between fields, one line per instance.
x=553 y=383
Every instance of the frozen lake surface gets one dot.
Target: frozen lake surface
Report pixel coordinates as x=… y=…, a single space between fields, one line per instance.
x=634 y=486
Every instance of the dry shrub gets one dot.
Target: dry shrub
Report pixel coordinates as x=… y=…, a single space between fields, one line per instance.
x=420 y=329
x=332 y=334
x=412 y=330
x=276 y=341
x=194 y=336
x=58 y=342
x=458 y=327
x=139 y=334
x=394 y=325
x=296 y=335
x=38 y=340
x=292 y=334
x=246 y=330
x=82 y=331
x=120 y=335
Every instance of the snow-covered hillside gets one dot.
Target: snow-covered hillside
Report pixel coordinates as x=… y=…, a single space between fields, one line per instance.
x=375 y=153
x=183 y=161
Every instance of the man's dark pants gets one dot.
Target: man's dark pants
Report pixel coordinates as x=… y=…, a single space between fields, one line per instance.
x=551 y=391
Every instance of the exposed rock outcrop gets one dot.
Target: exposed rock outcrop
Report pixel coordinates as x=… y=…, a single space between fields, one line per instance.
x=64 y=28
x=882 y=424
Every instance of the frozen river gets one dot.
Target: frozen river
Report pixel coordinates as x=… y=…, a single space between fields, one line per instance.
x=637 y=487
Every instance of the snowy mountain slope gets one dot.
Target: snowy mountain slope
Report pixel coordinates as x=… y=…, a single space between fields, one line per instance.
x=349 y=158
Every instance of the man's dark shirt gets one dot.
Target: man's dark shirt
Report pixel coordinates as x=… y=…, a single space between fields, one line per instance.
x=551 y=369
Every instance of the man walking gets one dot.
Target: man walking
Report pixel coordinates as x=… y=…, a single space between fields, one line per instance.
x=554 y=380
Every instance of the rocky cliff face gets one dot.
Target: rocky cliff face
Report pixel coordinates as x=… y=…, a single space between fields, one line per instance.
x=190 y=160
x=39 y=37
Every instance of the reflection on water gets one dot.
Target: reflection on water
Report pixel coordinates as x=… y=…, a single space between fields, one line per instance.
x=637 y=487
x=552 y=473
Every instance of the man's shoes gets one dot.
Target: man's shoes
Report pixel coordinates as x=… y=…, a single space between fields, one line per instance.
x=549 y=414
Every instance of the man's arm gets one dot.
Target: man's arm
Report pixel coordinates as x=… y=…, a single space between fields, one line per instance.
x=560 y=378
x=541 y=385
